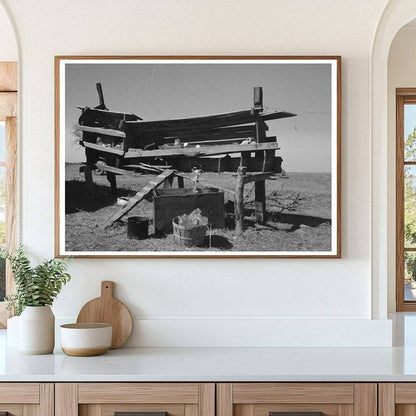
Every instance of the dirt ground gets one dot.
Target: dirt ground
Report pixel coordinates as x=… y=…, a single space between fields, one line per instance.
x=298 y=207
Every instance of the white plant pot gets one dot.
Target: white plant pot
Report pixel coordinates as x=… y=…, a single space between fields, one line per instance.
x=37 y=330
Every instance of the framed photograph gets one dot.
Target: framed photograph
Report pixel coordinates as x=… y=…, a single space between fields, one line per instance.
x=198 y=156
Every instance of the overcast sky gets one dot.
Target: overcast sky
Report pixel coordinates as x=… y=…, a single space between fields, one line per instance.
x=164 y=91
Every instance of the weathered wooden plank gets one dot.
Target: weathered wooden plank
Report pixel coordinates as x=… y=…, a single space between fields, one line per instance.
x=102 y=131
x=103 y=148
x=215 y=120
x=140 y=196
x=113 y=113
x=202 y=133
x=275 y=115
x=117 y=171
x=257 y=177
x=200 y=151
x=218 y=120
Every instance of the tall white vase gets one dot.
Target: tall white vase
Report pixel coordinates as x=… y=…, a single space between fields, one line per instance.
x=37 y=330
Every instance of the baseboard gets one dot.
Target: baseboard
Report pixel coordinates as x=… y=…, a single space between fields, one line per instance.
x=166 y=332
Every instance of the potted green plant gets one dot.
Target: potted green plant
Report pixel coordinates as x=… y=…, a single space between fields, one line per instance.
x=36 y=289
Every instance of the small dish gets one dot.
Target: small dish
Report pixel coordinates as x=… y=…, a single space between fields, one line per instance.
x=86 y=339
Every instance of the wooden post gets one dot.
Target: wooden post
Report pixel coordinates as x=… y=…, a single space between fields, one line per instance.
x=245 y=160
x=89 y=183
x=180 y=182
x=260 y=200
x=239 y=194
x=258 y=108
x=268 y=161
x=111 y=177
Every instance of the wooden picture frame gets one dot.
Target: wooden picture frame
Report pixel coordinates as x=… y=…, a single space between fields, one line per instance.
x=201 y=141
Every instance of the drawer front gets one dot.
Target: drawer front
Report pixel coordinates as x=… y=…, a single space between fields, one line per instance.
x=296 y=399
x=397 y=399
x=26 y=399
x=144 y=399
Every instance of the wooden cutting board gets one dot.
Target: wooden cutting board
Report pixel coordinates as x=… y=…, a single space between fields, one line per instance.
x=107 y=309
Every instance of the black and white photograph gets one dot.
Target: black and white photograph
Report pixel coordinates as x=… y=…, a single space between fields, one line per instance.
x=198 y=157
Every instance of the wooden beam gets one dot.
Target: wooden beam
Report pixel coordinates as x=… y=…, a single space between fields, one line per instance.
x=102 y=131
x=256 y=177
x=117 y=171
x=140 y=196
x=8 y=105
x=201 y=133
x=276 y=115
x=8 y=76
x=201 y=151
x=215 y=120
x=204 y=122
x=103 y=148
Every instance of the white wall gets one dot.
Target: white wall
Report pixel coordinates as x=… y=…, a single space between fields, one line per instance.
x=401 y=74
x=8 y=47
x=179 y=302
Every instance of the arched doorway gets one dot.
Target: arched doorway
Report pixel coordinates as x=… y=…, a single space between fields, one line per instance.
x=396 y=15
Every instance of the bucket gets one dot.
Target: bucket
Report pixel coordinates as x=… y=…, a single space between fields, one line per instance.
x=188 y=237
x=137 y=227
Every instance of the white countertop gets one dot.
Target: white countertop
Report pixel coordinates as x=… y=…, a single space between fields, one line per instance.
x=213 y=364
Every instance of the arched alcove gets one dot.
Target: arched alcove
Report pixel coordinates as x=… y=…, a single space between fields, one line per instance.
x=8 y=43
x=396 y=14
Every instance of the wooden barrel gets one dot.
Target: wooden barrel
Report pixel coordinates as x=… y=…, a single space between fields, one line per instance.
x=188 y=237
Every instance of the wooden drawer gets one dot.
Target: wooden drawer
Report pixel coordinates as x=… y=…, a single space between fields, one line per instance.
x=297 y=399
x=27 y=399
x=397 y=399
x=105 y=399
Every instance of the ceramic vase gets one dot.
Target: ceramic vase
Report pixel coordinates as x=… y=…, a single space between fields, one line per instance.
x=37 y=330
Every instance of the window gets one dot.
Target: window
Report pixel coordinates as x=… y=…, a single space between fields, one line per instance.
x=406 y=199
x=8 y=166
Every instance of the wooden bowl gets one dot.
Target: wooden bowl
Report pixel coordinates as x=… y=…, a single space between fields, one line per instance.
x=84 y=340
